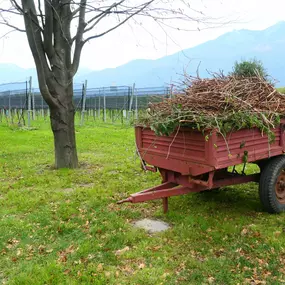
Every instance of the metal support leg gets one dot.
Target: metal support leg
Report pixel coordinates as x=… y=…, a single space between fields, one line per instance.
x=165 y=205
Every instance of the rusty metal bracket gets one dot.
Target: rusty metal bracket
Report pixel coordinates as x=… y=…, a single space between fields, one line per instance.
x=208 y=183
x=151 y=168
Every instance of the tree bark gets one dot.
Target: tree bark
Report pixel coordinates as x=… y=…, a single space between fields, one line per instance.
x=62 y=124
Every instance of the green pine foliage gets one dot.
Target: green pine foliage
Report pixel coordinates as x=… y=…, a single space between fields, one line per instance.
x=250 y=68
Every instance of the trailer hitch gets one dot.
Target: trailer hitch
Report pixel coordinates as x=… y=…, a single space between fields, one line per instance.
x=162 y=191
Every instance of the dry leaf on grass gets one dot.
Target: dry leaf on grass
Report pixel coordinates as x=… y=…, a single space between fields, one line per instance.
x=122 y=251
x=100 y=267
x=141 y=266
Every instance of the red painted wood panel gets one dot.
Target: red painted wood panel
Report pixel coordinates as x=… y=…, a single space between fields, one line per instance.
x=188 y=152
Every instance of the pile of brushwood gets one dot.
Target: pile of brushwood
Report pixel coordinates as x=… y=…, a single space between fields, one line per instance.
x=223 y=103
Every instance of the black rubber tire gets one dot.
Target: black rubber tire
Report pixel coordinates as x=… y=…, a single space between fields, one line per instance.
x=268 y=179
x=262 y=164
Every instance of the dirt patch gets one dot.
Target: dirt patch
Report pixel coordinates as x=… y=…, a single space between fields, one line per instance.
x=89 y=167
x=66 y=190
x=86 y=185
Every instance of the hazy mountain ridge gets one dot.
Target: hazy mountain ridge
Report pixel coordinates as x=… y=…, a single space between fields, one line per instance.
x=267 y=45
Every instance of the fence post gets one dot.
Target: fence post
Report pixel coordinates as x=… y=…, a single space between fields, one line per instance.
x=10 y=115
x=131 y=101
x=99 y=105
x=104 y=105
x=95 y=106
x=29 y=102
x=83 y=103
x=136 y=104
x=171 y=90
x=34 y=107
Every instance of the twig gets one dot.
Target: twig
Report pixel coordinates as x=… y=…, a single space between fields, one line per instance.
x=173 y=141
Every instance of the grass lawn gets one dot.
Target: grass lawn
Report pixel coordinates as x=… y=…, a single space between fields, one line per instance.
x=64 y=227
x=281 y=90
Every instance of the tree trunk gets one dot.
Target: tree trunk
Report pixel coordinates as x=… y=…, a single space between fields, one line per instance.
x=62 y=124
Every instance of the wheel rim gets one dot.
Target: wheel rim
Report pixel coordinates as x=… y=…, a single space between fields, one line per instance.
x=280 y=187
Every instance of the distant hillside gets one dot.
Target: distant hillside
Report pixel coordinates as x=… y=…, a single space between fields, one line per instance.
x=13 y=77
x=267 y=45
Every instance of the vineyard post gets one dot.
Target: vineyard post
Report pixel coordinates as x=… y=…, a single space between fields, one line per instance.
x=99 y=105
x=34 y=107
x=10 y=115
x=104 y=105
x=131 y=102
x=29 y=102
x=83 y=103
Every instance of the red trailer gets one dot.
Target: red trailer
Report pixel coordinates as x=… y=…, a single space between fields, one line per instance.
x=192 y=161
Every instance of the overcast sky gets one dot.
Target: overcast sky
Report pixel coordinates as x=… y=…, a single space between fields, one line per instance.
x=150 y=42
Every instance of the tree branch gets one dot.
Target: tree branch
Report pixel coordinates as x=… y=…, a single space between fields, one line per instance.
x=79 y=37
x=101 y=16
x=41 y=14
x=6 y=34
x=12 y=26
x=48 y=31
x=37 y=48
x=10 y=11
x=17 y=6
x=121 y=23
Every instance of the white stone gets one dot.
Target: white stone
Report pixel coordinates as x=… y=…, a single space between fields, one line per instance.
x=152 y=226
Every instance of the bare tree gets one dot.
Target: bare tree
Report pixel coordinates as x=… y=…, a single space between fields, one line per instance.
x=57 y=31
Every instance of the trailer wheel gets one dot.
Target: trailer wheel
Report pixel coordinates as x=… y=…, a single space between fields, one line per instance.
x=262 y=164
x=272 y=186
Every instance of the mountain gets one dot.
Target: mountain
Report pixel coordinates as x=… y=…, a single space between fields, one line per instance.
x=220 y=54
x=13 y=77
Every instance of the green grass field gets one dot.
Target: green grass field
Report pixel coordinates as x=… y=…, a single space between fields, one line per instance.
x=64 y=227
x=281 y=90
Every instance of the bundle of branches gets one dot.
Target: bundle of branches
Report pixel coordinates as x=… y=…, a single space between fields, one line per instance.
x=222 y=103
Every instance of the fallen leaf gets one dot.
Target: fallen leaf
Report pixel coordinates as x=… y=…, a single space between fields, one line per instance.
x=121 y=251
x=142 y=266
x=87 y=224
x=13 y=241
x=165 y=275
x=41 y=249
x=19 y=251
x=62 y=258
x=277 y=234
x=211 y=280
x=156 y=248
x=244 y=232
x=100 y=267
x=70 y=249
x=107 y=274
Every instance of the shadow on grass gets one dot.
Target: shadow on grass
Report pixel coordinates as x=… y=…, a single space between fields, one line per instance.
x=241 y=199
